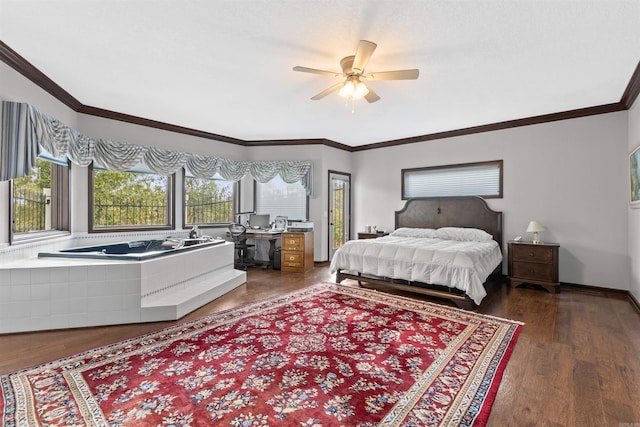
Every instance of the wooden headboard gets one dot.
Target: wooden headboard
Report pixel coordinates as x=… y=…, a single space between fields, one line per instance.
x=436 y=212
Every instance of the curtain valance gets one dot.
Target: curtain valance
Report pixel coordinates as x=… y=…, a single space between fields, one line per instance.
x=25 y=131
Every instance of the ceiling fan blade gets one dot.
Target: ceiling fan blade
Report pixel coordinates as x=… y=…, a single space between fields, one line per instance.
x=371 y=96
x=328 y=91
x=394 y=75
x=363 y=54
x=315 y=71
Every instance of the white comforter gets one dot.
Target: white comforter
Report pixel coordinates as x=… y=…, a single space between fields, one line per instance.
x=462 y=265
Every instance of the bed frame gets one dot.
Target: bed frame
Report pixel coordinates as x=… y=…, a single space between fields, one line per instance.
x=436 y=212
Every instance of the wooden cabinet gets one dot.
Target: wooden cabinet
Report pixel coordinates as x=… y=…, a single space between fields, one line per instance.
x=365 y=235
x=534 y=263
x=297 y=252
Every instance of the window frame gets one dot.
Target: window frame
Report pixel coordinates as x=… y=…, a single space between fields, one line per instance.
x=171 y=208
x=61 y=208
x=235 y=204
x=499 y=163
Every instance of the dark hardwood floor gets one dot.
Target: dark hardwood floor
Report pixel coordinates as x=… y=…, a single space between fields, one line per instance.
x=577 y=361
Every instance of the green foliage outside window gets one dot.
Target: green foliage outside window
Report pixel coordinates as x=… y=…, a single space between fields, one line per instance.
x=129 y=199
x=208 y=201
x=338 y=214
x=29 y=200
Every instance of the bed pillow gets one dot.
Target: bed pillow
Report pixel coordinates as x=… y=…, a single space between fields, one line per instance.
x=414 y=232
x=463 y=234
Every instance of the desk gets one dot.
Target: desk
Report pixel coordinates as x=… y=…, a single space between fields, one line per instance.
x=271 y=235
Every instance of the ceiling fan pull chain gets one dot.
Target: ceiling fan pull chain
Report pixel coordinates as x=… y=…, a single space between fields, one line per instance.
x=353 y=104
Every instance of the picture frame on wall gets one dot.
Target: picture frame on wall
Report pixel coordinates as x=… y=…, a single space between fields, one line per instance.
x=634 y=177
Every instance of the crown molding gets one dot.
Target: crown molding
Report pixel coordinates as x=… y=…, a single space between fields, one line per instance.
x=24 y=67
x=21 y=65
x=127 y=118
x=309 y=141
x=633 y=89
x=545 y=118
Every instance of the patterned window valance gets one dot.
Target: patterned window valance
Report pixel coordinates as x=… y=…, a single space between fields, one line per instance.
x=25 y=131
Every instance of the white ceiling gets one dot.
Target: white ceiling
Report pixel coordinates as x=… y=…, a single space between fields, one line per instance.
x=225 y=66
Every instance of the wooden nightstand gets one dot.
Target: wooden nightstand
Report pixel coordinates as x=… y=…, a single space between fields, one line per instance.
x=534 y=263
x=364 y=235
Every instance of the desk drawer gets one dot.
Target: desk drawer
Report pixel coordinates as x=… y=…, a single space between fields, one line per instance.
x=292 y=242
x=297 y=251
x=292 y=259
x=532 y=270
x=532 y=253
x=292 y=266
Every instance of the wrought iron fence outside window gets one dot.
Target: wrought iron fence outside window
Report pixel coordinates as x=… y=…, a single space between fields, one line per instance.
x=40 y=200
x=29 y=210
x=136 y=200
x=208 y=201
x=208 y=211
x=119 y=212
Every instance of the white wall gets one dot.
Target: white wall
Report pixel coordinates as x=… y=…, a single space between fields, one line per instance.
x=324 y=159
x=15 y=87
x=634 y=214
x=569 y=175
x=145 y=136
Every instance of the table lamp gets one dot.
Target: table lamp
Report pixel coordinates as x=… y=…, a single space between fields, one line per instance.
x=535 y=227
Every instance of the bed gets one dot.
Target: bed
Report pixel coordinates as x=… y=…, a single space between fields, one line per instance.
x=445 y=247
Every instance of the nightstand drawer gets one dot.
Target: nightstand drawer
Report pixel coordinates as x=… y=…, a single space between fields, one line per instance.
x=532 y=270
x=532 y=253
x=362 y=235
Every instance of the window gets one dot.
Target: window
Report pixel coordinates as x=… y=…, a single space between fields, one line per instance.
x=208 y=201
x=469 y=179
x=278 y=198
x=125 y=200
x=40 y=201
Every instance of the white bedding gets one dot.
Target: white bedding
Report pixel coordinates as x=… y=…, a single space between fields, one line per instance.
x=464 y=265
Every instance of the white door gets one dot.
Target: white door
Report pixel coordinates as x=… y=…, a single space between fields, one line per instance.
x=339 y=210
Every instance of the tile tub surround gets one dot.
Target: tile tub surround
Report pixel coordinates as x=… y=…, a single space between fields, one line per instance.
x=30 y=249
x=39 y=294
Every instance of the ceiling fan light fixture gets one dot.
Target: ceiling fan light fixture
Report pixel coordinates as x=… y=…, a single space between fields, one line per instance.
x=353 y=89
x=353 y=67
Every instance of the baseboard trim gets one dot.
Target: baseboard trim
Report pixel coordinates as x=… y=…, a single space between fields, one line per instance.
x=632 y=299
x=592 y=288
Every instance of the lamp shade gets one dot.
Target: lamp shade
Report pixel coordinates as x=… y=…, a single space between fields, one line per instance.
x=534 y=227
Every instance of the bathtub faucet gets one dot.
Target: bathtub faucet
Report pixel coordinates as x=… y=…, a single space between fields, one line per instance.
x=193 y=234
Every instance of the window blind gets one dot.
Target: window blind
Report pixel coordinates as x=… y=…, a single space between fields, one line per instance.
x=278 y=198
x=473 y=179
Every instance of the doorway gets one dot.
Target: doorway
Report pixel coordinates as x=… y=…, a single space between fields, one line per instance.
x=339 y=210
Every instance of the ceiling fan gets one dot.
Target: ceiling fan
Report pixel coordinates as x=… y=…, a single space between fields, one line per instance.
x=353 y=71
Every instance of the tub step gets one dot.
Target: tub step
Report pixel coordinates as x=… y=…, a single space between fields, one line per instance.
x=174 y=303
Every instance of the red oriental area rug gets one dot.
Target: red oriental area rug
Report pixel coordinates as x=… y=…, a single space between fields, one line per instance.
x=325 y=355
